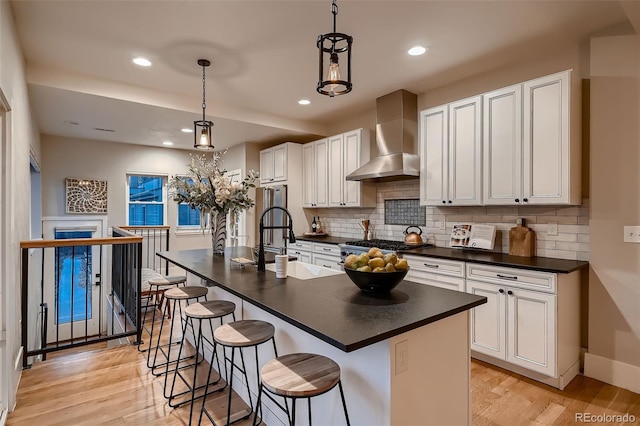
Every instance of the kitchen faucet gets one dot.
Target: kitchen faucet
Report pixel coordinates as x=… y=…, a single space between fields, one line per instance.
x=292 y=238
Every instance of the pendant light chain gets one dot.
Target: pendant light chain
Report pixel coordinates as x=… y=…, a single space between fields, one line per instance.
x=204 y=102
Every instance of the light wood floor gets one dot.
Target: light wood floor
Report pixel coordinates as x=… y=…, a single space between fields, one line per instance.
x=114 y=386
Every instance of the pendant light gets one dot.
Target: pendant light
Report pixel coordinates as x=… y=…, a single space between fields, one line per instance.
x=202 y=128
x=334 y=45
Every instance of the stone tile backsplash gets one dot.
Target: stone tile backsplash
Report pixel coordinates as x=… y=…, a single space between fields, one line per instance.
x=571 y=242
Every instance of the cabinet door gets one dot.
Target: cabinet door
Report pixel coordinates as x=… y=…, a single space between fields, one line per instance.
x=434 y=167
x=465 y=152
x=502 y=145
x=350 y=162
x=321 y=175
x=488 y=321
x=266 y=165
x=303 y=256
x=308 y=175
x=531 y=325
x=442 y=281
x=280 y=163
x=546 y=140
x=335 y=172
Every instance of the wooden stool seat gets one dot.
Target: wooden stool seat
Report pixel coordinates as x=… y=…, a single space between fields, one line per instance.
x=185 y=293
x=244 y=333
x=168 y=280
x=300 y=375
x=210 y=309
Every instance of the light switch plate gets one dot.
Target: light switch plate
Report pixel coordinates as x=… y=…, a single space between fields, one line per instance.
x=632 y=234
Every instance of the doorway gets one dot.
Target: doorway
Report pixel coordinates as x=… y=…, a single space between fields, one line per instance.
x=72 y=279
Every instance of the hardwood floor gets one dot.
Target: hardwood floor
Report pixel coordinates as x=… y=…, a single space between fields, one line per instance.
x=96 y=385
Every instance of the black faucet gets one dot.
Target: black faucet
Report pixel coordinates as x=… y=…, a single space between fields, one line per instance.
x=292 y=238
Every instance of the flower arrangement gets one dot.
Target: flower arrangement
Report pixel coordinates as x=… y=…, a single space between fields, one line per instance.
x=208 y=188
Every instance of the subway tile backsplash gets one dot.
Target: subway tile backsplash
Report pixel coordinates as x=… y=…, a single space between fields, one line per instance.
x=571 y=242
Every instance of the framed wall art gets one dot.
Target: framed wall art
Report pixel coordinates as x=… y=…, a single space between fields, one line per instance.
x=86 y=195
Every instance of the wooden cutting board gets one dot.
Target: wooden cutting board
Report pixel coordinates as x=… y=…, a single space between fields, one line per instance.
x=522 y=241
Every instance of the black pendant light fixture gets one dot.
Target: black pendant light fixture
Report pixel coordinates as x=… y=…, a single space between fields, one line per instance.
x=202 y=128
x=336 y=46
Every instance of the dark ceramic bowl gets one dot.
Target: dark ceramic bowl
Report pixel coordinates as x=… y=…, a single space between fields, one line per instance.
x=376 y=282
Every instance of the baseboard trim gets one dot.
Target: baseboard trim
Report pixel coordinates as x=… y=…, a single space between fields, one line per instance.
x=614 y=372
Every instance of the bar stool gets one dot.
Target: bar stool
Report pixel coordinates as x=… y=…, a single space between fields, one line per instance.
x=199 y=312
x=299 y=375
x=240 y=334
x=157 y=287
x=189 y=294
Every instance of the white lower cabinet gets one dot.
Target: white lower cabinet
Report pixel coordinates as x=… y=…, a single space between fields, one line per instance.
x=321 y=254
x=530 y=323
x=437 y=272
x=302 y=250
x=515 y=325
x=326 y=255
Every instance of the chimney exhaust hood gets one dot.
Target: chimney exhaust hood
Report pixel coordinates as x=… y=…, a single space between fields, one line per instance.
x=396 y=140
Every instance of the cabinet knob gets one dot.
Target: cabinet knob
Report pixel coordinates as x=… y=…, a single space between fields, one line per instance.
x=271 y=179
x=525 y=200
x=509 y=292
x=444 y=202
x=517 y=200
x=449 y=201
x=501 y=290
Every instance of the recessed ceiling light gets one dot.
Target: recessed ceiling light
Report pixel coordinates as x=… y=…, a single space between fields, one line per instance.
x=186 y=130
x=417 y=51
x=167 y=143
x=304 y=101
x=143 y=62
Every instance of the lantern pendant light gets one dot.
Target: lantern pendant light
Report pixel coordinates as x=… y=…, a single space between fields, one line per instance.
x=336 y=46
x=202 y=128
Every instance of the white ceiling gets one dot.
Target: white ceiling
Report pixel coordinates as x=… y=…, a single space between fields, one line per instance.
x=264 y=59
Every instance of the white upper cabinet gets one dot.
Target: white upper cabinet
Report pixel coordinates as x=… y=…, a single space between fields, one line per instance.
x=529 y=157
x=548 y=150
x=274 y=164
x=502 y=142
x=346 y=152
x=451 y=154
x=314 y=174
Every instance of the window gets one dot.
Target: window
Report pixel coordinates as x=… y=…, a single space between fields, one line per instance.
x=146 y=202
x=188 y=218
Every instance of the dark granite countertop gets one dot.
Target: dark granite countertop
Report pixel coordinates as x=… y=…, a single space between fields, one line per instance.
x=328 y=239
x=544 y=264
x=331 y=308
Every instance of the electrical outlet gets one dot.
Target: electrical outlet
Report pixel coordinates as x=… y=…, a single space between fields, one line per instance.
x=632 y=234
x=552 y=228
x=402 y=356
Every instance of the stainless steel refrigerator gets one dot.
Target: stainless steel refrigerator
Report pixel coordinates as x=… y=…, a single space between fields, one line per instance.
x=267 y=197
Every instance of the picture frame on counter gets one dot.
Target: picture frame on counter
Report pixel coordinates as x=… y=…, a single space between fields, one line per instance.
x=474 y=236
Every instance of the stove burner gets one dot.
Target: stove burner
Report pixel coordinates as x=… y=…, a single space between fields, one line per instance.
x=385 y=244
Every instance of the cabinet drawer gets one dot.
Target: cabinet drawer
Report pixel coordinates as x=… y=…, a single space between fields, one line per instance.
x=521 y=278
x=331 y=249
x=301 y=245
x=443 y=281
x=435 y=266
x=332 y=262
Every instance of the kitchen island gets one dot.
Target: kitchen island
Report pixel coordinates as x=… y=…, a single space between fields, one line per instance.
x=404 y=355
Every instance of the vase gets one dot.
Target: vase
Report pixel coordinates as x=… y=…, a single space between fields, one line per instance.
x=219 y=232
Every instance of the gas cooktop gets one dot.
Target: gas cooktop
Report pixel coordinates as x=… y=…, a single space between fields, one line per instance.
x=386 y=244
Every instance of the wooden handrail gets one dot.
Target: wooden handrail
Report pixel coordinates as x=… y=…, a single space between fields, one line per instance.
x=79 y=242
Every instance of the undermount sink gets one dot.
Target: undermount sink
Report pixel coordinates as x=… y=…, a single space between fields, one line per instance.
x=305 y=271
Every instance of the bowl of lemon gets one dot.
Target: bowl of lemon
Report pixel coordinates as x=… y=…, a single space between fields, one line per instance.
x=375 y=272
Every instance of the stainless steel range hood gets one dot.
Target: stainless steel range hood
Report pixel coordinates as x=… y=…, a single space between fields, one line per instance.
x=396 y=140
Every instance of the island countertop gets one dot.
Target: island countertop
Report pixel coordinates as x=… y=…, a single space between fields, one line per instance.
x=331 y=308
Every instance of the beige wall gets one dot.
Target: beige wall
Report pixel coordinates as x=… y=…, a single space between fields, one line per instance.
x=111 y=162
x=21 y=137
x=614 y=320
